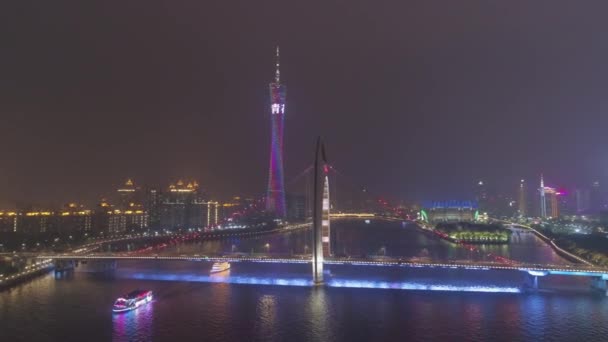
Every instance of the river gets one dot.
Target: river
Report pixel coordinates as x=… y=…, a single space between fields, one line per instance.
x=358 y=303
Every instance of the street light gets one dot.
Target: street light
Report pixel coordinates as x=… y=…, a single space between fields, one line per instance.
x=267 y=245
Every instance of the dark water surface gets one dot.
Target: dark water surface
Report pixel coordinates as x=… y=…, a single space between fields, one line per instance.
x=359 y=304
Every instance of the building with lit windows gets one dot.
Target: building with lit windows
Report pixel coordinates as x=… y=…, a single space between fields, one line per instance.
x=120 y=221
x=481 y=195
x=552 y=209
x=596 y=199
x=296 y=207
x=35 y=222
x=522 y=204
x=583 y=201
x=128 y=194
x=75 y=218
x=152 y=205
x=72 y=218
x=184 y=206
x=8 y=221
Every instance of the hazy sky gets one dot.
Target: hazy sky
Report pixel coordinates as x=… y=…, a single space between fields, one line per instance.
x=416 y=99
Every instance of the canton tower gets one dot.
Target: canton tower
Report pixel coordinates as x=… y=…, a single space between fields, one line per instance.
x=275 y=198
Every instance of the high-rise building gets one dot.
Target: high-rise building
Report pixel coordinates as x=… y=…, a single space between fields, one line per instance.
x=152 y=205
x=34 y=222
x=127 y=195
x=596 y=198
x=75 y=218
x=275 y=198
x=120 y=221
x=522 y=205
x=553 y=204
x=543 y=202
x=178 y=206
x=583 y=201
x=481 y=195
x=184 y=207
x=8 y=221
x=567 y=203
x=296 y=207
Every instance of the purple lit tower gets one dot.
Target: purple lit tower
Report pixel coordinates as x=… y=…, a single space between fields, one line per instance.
x=275 y=199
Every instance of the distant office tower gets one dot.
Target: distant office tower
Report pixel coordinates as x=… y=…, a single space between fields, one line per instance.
x=543 y=202
x=152 y=205
x=296 y=207
x=9 y=221
x=604 y=218
x=583 y=200
x=120 y=221
x=127 y=194
x=567 y=203
x=596 y=198
x=275 y=199
x=552 y=210
x=74 y=218
x=521 y=199
x=481 y=195
x=185 y=207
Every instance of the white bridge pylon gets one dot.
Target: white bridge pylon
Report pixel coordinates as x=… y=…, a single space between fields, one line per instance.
x=321 y=223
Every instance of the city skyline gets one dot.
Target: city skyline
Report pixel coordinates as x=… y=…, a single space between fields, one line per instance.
x=184 y=103
x=436 y=172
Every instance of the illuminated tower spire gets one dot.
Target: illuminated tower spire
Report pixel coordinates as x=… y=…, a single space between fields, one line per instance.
x=275 y=198
x=543 y=203
x=277 y=73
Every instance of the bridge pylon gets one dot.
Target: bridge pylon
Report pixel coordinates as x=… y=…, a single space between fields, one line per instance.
x=320 y=228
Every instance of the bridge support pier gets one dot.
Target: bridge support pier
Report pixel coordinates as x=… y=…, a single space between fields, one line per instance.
x=599 y=284
x=93 y=266
x=531 y=279
x=64 y=265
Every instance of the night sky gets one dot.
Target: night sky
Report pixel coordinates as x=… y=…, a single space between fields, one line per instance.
x=415 y=99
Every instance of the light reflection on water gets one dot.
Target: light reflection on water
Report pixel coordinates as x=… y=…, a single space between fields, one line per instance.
x=135 y=324
x=333 y=282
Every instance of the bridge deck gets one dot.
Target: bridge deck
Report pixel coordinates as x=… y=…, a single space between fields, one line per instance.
x=386 y=262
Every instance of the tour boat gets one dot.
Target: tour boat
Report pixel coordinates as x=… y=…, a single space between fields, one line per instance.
x=133 y=300
x=220 y=267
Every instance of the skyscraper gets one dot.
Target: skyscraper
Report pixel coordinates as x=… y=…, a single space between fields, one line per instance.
x=127 y=194
x=275 y=198
x=595 y=198
x=481 y=195
x=521 y=199
x=583 y=200
x=543 y=202
x=185 y=206
x=553 y=208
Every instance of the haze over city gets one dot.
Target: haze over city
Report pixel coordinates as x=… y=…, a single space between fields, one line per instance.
x=277 y=171
x=416 y=100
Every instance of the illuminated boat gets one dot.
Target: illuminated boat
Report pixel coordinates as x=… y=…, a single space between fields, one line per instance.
x=220 y=267
x=132 y=300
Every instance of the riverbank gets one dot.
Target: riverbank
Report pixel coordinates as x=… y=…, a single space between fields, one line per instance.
x=31 y=271
x=474 y=233
x=441 y=235
x=560 y=251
